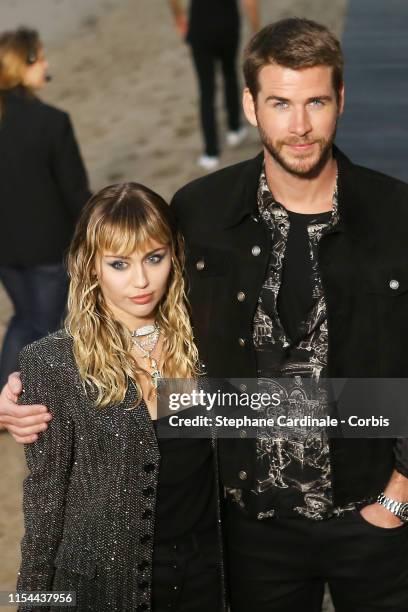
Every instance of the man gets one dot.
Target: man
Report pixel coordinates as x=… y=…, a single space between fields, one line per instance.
x=212 y=29
x=297 y=265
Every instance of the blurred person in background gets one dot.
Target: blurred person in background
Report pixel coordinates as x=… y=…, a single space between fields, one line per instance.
x=43 y=186
x=212 y=29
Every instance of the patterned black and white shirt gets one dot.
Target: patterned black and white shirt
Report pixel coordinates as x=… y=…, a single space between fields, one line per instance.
x=293 y=472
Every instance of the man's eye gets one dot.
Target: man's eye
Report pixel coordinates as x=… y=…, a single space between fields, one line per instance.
x=317 y=102
x=155 y=259
x=280 y=105
x=118 y=264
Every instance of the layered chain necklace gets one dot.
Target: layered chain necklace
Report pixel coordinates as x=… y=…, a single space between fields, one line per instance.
x=145 y=339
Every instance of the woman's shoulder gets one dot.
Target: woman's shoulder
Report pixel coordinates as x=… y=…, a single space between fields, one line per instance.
x=53 y=351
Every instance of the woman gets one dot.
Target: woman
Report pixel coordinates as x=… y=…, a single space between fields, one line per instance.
x=125 y=519
x=43 y=186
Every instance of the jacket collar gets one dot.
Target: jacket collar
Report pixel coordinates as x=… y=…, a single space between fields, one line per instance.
x=243 y=201
x=243 y=198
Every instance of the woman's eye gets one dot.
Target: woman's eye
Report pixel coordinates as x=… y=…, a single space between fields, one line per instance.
x=155 y=259
x=118 y=264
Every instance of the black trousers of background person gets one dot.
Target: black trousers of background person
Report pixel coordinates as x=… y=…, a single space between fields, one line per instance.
x=38 y=294
x=205 y=61
x=281 y=565
x=187 y=575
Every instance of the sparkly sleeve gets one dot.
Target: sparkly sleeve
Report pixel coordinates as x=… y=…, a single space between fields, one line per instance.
x=49 y=462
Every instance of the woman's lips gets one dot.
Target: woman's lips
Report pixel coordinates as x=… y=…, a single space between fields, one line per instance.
x=142 y=299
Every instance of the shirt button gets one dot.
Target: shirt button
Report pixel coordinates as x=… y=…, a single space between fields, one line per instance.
x=242 y=475
x=241 y=342
x=394 y=284
x=241 y=296
x=200 y=265
x=256 y=250
x=242 y=433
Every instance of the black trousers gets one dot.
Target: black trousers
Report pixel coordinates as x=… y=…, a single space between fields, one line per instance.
x=187 y=575
x=282 y=565
x=205 y=60
x=38 y=294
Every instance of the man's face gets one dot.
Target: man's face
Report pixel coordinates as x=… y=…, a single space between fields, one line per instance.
x=296 y=113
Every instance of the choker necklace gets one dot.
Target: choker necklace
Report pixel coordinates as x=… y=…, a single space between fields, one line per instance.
x=150 y=335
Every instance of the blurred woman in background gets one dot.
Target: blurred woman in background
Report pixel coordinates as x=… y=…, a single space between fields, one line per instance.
x=43 y=186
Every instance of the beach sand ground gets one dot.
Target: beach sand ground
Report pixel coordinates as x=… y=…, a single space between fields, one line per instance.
x=127 y=81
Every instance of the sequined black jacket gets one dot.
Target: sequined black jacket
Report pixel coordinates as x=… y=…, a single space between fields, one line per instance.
x=90 y=496
x=363 y=263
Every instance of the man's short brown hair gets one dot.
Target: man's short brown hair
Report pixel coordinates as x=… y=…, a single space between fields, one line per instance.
x=293 y=43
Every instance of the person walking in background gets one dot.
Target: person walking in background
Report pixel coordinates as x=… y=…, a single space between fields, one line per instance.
x=43 y=186
x=212 y=30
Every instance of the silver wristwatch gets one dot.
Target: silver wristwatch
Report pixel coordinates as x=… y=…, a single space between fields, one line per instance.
x=400 y=509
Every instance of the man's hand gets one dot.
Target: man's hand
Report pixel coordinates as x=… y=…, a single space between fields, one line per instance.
x=23 y=422
x=380 y=517
x=397 y=488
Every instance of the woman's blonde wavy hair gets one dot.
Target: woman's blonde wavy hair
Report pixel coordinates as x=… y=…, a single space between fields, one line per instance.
x=120 y=219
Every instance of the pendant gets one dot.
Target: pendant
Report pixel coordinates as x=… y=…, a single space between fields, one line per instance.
x=155 y=374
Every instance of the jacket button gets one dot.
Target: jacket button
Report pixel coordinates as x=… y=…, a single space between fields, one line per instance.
x=256 y=250
x=255 y=218
x=242 y=475
x=241 y=296
x=243 y=387
x=143 y=565
x=241 y=342
x=149 y=467
x=145 y=538
x=148 y=491
x=242 y=434
x=200 y=265
x=143 y=584
x=147 y=514
x=394 y=284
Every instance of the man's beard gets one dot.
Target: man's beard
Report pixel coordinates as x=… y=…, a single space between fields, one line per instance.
x=299 y=167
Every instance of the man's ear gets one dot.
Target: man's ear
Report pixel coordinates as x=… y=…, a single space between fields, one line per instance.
x=341 y=100
x=249 y=107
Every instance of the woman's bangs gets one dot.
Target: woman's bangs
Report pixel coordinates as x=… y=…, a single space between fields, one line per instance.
x=125 y=236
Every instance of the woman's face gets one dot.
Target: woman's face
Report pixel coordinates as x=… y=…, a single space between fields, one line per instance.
x=134 y=286
x=35 y=74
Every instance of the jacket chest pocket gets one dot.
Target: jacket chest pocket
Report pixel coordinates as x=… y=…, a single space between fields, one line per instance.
x=386 y=294
x=388 y=283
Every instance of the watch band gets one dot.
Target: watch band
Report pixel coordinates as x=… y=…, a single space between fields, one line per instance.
x=399 y=509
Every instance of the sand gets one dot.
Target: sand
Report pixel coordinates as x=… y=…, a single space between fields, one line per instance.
x=126 y=79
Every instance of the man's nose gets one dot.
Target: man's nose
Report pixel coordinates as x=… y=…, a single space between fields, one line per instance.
x=300 y=122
